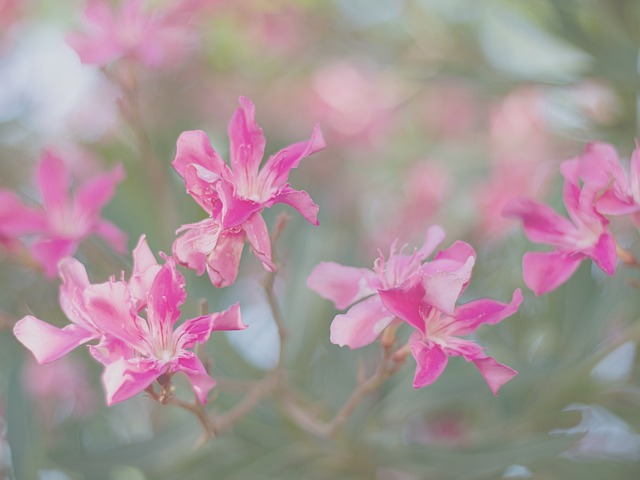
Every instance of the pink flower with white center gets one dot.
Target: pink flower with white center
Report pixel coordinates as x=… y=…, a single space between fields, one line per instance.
x=437 y=333
x=137 y=350
x=235 y=196
x=585 y=235
x=442 y=278
x=69 y=220
x=49 y=343
x=153 y=38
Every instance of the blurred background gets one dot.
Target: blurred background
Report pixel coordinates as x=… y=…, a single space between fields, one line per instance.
x=434 y=112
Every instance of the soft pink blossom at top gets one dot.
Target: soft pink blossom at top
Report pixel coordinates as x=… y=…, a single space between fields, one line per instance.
x=437 y=335
x=137 y=350
x=584 y=235
x=67 y=220
x=49 y=343
x=235 y=196
x=442 y=278
x=155 y=38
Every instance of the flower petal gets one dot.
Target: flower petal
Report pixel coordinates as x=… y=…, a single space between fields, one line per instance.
x=471 y=315
x=541 y=223
x=53 y=180
x=362 y=323
x=145 y=269
x=247 y=142
x=444 y=281
x=300 y=200
x=193 y=368
x=49 y=252
x=74 y=282
x=407 y=302
x=192 y=248
x=124 y=379
x=258 y=237
x=430 y=363
x=341 y=284
x=194 y=147
x=224 y=261
x=95 y=194
x=494 y=373
x=604 y=253
x=434 y=237
x=113 y=235
x=546 y=271
x=166 y=295
x=48 y=343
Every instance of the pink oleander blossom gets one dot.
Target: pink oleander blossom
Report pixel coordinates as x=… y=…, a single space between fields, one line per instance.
x=48 y=342
x=584 y=235
x=235 y=196
x=437 y=335
x=154 y=38
x=137 y=350
x=443 y=279
x=67 y=220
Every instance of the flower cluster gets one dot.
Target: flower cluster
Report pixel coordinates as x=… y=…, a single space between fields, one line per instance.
x=407 y=289
x=595 y=185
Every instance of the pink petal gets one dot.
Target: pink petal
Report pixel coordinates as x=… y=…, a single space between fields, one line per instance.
x=145 y=269
x=16 y=219
x=229 y=319
x=193 y=368
x=53 y=180
x=113 y=236
x=276 y=171
x=94 y=50
x=459 y=252
x=198 y=329
x=541 y=223
x=258 y=237
x=246 y=142
x=435 y=236
x=124 y=379
x=361 y=325
x=193 y=247
x=604 y=253
x=443 y=287
x=95 y=194
x=546 y=271
x=300 y=200
x=471 y=315
x=224 y=261
x=194 y=147
x=341 y=284
x=407 y=303
x=430 y=363
x=74 y=282
x=235 y=210
x=166 y=295
x=49 y=343
x=111 y=349
x=49 y=252
x=494 y=373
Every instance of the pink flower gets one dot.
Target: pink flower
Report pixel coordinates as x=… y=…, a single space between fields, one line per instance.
x=154 y=38
x=16 y=219
x=585 y=235
x=137 y=350
x=443 y=279
x=235 y=197
x=437 y=333
x=69 y=220
x=49 y=343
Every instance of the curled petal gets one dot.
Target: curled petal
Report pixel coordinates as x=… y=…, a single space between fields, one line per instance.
x=471 y=315
x=49 y=343
x=443 y=286
x=300 y=200
x=407 y=303
x=258 y=237
x=230 y=319
x=194 y=148
x=546 y=271
x=124 y=379
x=341 y=284
x=362 y=323
x=430 y=363
x=192 y=248
x=494 y=373
x=224 y=261
x=193 y=368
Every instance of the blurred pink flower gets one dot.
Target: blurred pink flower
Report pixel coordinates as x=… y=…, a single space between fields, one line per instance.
x=49 y=343
x=437 y=333
x=60 y=389
x=154 y=38
x=235 y=197
x=136 y=350
x=17 y=219
x=68 y=221
x=444 y=278
x=585 y=235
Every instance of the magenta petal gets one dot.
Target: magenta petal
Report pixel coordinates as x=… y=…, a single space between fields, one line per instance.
x=229 y=319
x=201 y=185
x=194 y=147
x=111 y=349
x=541 y=223
x=124 y=379
x=430 y=363
x=74 y=282
x=258 y=237
x=224 y=261
x=471 y=315
x=49 y=252
x=407 y=303
x=341 y=284
x=546 y=271
x=247 y=142
x=300 y=200
x=362 y=323
x=48 y=343
x=442 y=288
x=494 y=373
x=235 y=210
x=166 y=295
x=53 y=180
x=459 y=252
x=192 y=248
x=198 y=329
x=95 y=194
x=193 y=368
x=16 y=219
x=604 y=253
x=145 y=269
